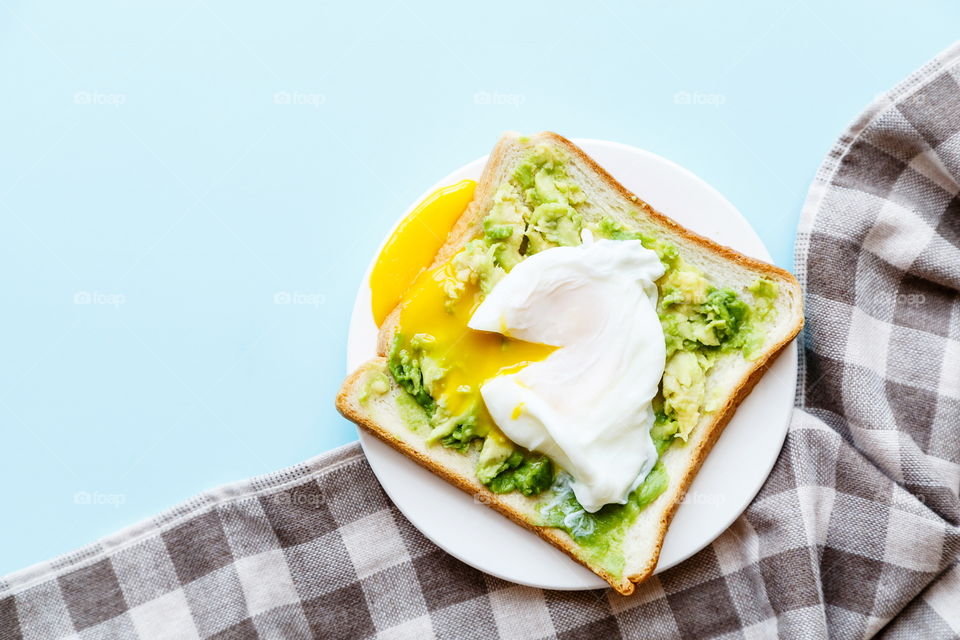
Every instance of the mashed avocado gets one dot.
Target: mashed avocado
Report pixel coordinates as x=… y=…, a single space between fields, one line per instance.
x=684 y=389
x=503 y=227
x=407 y=362
x=612 y=230
x=719 y=320
x=683 y=285
x=600 y=533
x=476 y=264
x=412 y=413
x=765 y=294
x=553 y=224
x=456 y=432
x=664 y=429
x=495 y=457
x=528 y=474
x=376 y=385
x=535 y=209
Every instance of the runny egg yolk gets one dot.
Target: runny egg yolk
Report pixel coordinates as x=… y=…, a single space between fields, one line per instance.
x=401 y=276
x=414 y=244
x=469 y=357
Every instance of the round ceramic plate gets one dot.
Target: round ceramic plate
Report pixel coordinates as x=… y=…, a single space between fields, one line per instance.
x=730 y=477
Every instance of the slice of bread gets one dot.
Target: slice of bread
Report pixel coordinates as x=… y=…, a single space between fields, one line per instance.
x=729 y=380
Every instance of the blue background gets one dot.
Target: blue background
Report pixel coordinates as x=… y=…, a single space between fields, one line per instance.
x=172 y=172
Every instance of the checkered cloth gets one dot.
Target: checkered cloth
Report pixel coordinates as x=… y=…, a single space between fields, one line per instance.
x=854 y=534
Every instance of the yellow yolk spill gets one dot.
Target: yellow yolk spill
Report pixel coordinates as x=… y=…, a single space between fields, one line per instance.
x=414 y=244
x=468 y=357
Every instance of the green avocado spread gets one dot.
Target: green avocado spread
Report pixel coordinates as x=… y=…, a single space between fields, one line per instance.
x=601 y=533
x=540 y=206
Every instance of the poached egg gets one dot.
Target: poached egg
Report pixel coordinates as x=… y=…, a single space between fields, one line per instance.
x=588 y=404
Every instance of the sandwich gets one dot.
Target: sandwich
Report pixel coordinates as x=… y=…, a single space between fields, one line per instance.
x=568 y=355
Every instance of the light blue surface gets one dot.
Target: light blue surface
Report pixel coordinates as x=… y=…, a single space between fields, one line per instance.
x=171 y=174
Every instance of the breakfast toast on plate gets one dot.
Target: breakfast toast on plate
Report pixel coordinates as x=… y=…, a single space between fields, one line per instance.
x=723 y=318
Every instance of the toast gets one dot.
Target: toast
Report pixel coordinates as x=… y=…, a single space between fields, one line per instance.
x=631 y=554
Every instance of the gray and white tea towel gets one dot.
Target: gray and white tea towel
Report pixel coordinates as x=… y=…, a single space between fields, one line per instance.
x=855 y=534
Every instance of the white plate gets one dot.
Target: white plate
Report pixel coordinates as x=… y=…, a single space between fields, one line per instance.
x=730 y=477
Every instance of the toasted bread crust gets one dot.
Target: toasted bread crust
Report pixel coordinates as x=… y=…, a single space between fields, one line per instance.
x=465 y=229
